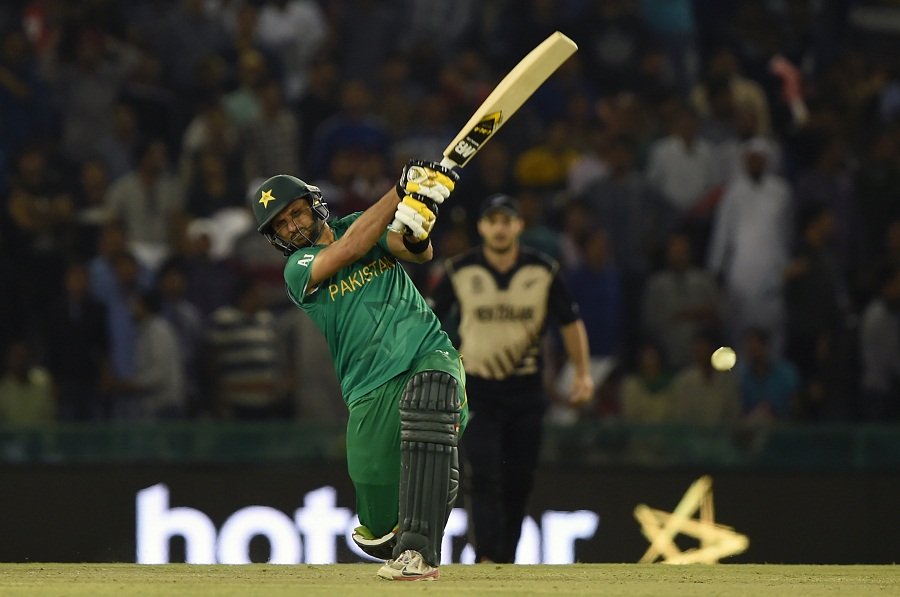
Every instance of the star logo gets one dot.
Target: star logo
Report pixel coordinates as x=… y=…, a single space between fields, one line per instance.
x=660 y=528
x=266 y=197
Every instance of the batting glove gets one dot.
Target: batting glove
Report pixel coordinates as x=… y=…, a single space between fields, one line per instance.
x=417 y=216
x=430 y=180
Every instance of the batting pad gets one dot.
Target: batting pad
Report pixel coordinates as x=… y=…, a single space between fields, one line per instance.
x=429 y=418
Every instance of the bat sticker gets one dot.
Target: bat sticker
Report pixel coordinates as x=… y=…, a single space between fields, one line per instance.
x=467 y=146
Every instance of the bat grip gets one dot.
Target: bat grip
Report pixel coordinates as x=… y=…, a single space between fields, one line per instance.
x=397 y=225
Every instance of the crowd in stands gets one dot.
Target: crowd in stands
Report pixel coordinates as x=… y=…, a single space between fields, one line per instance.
x=706 y=173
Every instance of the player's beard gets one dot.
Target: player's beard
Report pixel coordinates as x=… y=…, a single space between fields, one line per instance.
x=307 y=237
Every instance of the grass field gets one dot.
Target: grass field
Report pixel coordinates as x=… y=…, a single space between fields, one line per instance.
x=347 y=580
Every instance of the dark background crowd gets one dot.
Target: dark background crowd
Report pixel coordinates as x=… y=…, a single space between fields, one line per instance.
x=707 y=173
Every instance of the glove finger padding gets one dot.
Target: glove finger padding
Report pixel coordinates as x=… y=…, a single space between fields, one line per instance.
x=427 y=208
x=418 y=219
x=427 y=178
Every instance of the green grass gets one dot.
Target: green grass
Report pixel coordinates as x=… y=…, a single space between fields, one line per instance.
x=348 y=580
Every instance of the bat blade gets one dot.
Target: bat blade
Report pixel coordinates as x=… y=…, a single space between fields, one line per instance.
x=508 y=96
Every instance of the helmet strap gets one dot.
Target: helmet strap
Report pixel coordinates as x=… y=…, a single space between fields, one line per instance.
x=320 y=215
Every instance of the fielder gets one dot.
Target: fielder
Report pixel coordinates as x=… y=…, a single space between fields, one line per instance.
x=401 y=378
x=505 y=295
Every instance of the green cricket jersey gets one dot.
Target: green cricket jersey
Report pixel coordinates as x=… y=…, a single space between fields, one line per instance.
x=373 y=317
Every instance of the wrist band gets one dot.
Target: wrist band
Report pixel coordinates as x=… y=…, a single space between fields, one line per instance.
x=416 y=246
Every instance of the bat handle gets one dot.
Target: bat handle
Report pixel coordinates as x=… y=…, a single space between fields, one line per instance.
x=397 y=225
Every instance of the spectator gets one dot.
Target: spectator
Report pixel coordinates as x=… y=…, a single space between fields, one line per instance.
x=244 y=358
x=536 y=233
x=91 y=211
x=889 y=255
x=318 y=103
x=214 y=187
x=673 y=23
x=40 y=214
x=26 y=389
x=210 y=130
x=880 y=350
x=490 y=174
x=681 y=167
x=210 y=279
x=75 y=340
x=191 y=35
x=156 y=390
x=316 y=391
x=636 y=219
x=769 y=384
x=189 y=326
x=647 y=395
x=403 y=102
x=116 y=278
x=277 y=27
x=242 y=105
x=354 y=128
x=817 y=305
x=829 y=183
x=545 y=165
x=24 y=94
x=365 y=30
x=679 y=302
x=750 y=247
x=151 y=99
x=723 y=63
x=592 y=164
x=577 y=224
x=877 y=179
x=431 y=132
x=148 y=201
x=271 y=139
x=87 y=90
x=702 y=395
x=596 y=283
x=613 y=40
x=633 y=213
x=117 y=149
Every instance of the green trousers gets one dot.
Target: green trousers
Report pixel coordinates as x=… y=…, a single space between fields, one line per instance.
x=373 y=441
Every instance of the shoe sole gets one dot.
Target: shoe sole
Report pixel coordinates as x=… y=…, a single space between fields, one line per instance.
x=378 y=549
x=433 y=575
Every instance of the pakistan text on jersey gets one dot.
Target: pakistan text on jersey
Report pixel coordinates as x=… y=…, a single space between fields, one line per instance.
x=360 y=277
x=504 y=313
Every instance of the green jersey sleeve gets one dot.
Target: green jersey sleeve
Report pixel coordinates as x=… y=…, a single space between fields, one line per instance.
x=374 y=319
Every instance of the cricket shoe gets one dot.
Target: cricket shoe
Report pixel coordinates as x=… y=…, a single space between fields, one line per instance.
x=409 y=566
x=381 y=548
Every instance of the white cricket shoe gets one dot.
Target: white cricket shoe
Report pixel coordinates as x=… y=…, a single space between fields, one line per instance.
x=409 y=566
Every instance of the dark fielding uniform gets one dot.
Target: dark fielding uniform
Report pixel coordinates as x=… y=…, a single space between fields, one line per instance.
x=502 y=317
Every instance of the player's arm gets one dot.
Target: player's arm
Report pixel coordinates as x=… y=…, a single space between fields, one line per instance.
x=356 y=241
x=575 y=340
x=402 y=247
x=362 y=235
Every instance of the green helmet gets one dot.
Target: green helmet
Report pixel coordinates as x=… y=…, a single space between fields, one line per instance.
x=277 y=193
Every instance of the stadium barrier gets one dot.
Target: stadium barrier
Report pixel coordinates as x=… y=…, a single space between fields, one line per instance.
x=233 y=493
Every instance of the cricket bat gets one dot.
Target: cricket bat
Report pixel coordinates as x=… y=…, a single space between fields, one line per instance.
x=506 y=98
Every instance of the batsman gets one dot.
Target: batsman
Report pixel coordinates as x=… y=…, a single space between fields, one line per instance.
x=401 y=378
